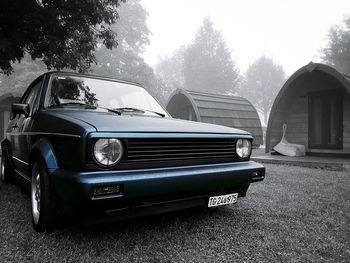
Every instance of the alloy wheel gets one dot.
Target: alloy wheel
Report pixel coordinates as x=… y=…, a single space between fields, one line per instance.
x=36 y=195
x=2 y=171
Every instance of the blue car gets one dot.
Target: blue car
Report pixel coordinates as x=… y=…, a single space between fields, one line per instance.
x=107 y=149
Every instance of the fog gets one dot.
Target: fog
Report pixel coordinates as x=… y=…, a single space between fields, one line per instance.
x=240 y=48
x=290 y=32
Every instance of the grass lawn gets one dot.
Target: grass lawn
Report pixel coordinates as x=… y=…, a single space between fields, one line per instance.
x=295 y=215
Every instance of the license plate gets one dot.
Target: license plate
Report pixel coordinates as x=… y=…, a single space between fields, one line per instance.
x=222 y=200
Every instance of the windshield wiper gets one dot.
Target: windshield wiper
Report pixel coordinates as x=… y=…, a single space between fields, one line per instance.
x=73 y=103
x=139 y=110
x=89 y=106
x=118 y=111
x=112 y=110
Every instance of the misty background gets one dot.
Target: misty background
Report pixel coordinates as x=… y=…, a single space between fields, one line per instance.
x=244 y=48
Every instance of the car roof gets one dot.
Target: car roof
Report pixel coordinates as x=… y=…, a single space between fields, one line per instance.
x=70 y=73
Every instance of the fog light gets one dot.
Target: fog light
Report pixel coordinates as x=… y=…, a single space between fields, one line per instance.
x=106 y=190
x=257 y=176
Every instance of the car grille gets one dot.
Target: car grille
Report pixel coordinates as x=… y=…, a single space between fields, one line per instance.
x=173 y=149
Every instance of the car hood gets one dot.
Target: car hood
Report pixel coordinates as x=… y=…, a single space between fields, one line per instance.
x=111 y=122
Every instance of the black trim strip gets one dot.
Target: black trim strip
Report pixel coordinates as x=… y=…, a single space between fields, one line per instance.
x=22 y=175
x=44 y=133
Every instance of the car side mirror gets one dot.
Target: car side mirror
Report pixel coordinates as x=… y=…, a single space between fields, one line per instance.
x=21 y=108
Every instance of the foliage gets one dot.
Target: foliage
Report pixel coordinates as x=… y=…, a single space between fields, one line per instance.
x=262 y=80
x=24 y=73
x=62 y=33
x=73 y=90
x=337 y=52
x=171 y=69
x=125 y=61
x=208 y=65
x=205 y=65
x=133 y=36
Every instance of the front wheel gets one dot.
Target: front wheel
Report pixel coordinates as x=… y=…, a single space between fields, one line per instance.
x=44 y=206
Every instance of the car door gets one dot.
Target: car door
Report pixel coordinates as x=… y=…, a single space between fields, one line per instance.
x=21 y=128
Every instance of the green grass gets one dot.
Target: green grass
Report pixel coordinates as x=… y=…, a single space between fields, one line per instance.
x=295 y=215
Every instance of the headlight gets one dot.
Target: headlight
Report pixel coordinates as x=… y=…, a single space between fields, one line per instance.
x=108 y=152
x=243 y=148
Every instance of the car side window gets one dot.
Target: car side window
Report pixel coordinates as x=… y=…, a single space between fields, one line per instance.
x=33 y=96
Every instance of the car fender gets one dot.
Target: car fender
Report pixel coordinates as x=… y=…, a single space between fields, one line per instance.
x=6 y=150
x=44 y=149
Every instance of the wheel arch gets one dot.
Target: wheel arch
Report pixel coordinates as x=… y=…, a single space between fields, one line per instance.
x=44 y=150
x=6 y=150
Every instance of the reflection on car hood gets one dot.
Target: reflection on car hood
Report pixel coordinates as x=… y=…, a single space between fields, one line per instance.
x=110 y=122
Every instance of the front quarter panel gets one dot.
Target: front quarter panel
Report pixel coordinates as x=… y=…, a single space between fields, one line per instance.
x=65 y=136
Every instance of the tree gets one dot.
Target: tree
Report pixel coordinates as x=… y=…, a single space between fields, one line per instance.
x=208 y=65
x=262 y=80
x=125 y=61
x=24 y=73
x=337 y=51
x=133 y=36
x=62 y=33
x=171 y=69
x=169 y=72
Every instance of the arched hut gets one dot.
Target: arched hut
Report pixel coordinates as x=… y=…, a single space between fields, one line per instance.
x=6 y=101
x=223 y=110
x=315 y=105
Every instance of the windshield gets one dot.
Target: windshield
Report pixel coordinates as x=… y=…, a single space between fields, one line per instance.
x=75 y=90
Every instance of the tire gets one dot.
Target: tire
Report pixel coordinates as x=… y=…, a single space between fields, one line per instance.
x=43 y=202
x=6 y=175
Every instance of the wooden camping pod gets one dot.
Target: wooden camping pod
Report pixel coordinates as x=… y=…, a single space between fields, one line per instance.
x=231 y=111
x=315 y=104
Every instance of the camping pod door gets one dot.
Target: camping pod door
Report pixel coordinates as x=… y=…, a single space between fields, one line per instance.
x=325 y=120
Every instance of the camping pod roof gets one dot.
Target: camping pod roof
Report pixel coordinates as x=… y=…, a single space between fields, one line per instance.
x=226 y=110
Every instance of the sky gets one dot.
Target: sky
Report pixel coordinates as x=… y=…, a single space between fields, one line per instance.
x=292 y=33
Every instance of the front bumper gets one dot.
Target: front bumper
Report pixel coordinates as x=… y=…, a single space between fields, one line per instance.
x=156 y=185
